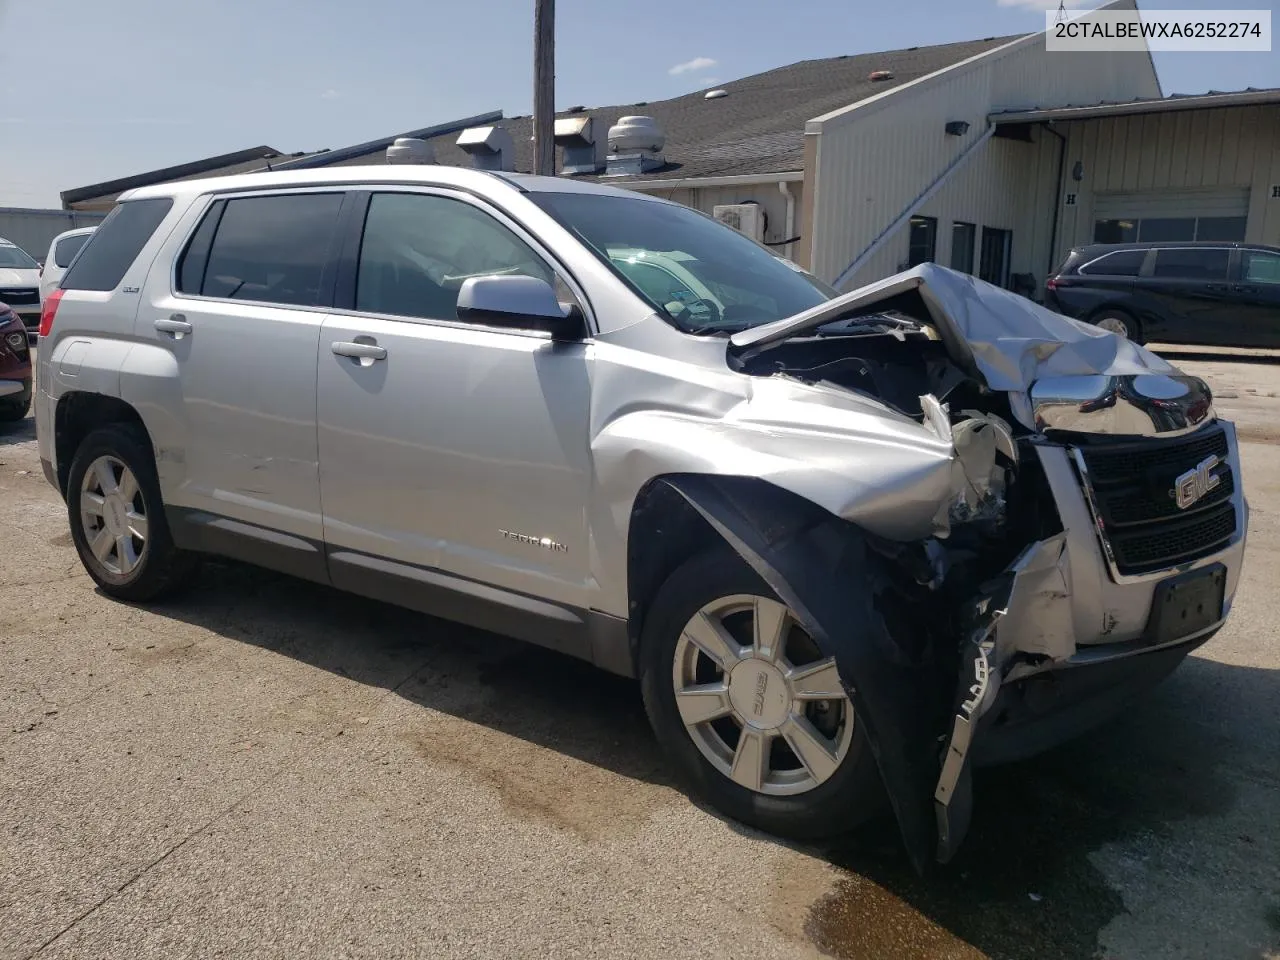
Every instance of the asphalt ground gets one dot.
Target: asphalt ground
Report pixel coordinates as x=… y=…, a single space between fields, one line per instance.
x=265 y=768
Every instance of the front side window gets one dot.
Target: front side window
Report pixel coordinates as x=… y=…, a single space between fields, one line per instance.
x=265 y=249
x=15 y=257
x=1192 y=263
x=418 y=250
x=700 y=275
x=1260 y=267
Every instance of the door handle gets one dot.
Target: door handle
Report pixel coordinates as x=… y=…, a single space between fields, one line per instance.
x=1244 y=288
x=358 y=351
x=176 y=326
x=1215 y=286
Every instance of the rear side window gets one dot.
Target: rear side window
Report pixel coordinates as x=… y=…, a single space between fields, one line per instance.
x=1122 y=263
x=1192 y=263
x=116 y=244
x=266 y=249
x=64 y=250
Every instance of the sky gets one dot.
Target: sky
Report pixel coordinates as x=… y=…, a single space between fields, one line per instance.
x=93 y=90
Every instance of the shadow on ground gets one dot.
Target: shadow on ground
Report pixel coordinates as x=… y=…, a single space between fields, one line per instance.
x=1023 y=885
x=23 y=431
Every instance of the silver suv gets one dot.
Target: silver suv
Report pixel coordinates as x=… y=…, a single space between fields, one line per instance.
x=850 y=545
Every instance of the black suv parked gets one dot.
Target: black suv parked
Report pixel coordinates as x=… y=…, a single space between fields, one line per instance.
x=1219 y=294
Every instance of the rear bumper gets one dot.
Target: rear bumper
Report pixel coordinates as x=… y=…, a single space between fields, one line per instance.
x=1041 y=711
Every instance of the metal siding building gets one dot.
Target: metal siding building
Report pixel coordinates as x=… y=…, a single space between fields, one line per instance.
x=873 y=160
x=34 y=230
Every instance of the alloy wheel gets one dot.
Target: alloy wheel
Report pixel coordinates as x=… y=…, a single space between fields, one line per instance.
x=759 y=700
x=113 y=516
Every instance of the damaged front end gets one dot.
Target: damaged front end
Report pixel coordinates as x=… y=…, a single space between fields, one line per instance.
x=1031 y=566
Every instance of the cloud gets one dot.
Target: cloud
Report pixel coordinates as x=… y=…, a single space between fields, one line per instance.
x=697 y=63
x=1041 y=4
x=330 y=94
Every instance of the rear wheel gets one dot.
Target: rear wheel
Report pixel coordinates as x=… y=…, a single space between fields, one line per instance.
x=117 y=517
x=1117 y=322
x=753 y=713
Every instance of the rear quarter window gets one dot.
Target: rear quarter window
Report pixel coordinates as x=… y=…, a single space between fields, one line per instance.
x=116 y=243
x=66 y=249
x=1121 y=263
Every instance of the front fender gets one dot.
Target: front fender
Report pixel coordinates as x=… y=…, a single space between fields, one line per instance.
x=857 y=606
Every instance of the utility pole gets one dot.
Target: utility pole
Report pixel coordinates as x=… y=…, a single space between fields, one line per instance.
x=544 y=87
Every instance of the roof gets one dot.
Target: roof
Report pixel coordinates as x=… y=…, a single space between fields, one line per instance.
x=1177 y=102
x=328 y=158
x=757 y=129
x=252 y=155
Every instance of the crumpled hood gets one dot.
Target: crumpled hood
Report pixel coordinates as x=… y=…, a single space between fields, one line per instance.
x=1006 y=339
x=13 y=277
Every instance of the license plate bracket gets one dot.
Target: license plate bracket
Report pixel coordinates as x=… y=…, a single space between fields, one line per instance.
x=1186 y=604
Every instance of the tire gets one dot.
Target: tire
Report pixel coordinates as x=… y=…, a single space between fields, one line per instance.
x=148 y=567
x=1117 y=321
x=14 y=408
x=824 y=810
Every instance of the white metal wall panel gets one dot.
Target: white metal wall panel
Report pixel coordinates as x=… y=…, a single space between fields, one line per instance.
x=1195 y=202
x=34 y=230
x=875 y=158
x=1214 y=162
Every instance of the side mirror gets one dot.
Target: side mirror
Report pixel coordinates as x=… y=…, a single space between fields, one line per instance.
x=516 y=301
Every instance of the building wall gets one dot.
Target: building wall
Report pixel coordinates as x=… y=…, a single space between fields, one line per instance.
x=34 y=230
x=767 y=195
x=875 y=158
x=1170 y=152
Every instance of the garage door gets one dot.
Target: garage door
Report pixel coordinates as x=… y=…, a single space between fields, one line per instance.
x=1155 y=215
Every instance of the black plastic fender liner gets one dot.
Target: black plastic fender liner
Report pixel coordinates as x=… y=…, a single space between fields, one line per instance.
x=822 y=567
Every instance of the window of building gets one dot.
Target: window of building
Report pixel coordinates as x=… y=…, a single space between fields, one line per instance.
x=994 y=265
x=266 y=249
x=116 y=244
x=418 y=249
x=1122 y=263
x=1261 y=267
x=1168 y=229
x=963 y=239
x=1192 y=263
x=924 y=240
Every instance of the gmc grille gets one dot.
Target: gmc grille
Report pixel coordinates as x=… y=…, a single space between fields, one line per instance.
x=1132 y=485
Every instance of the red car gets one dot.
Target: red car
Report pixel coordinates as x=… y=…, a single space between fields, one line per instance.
x=15 y=367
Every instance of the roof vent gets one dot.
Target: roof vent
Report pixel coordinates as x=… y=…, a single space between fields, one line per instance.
x=583 y=150
x=635 y=146
x=715 y=94
x=409 y=150
x=491 y=148
x=877 y=75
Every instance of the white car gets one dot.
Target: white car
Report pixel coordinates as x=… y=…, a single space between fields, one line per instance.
x=20 y=282
x=62 y=251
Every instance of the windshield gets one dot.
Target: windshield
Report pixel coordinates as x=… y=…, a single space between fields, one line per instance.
x=11 y=256
x=703 y=276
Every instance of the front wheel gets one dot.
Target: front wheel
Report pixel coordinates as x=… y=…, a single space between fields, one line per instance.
x=117 y=517
x=752 y=712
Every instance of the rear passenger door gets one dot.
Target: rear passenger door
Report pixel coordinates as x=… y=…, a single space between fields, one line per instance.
x=238 y=313
x=451 y=447
x=1190 y=287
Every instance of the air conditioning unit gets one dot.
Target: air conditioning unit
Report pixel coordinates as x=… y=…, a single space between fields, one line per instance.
x=746 y=218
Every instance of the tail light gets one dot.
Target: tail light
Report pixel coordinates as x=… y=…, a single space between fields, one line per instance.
x=1052 y=283
x=47 y=311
